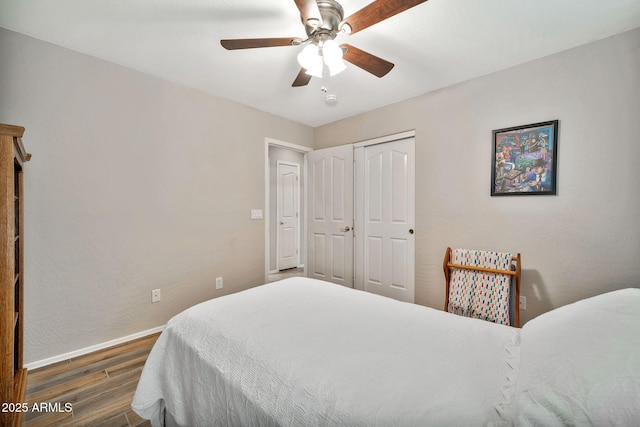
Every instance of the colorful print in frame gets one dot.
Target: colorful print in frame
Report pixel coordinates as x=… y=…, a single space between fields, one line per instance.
x=525 y=160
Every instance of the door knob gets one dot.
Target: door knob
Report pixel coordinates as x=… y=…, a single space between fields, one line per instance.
x=347 y=228
x=281 y=223
x=411 y=231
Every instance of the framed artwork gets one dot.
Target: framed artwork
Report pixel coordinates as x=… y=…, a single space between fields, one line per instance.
x=524 y=160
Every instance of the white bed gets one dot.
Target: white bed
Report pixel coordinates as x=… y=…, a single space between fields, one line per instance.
x=302 y=352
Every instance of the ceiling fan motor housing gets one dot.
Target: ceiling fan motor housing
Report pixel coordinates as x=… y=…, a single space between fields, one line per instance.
x=332 y=15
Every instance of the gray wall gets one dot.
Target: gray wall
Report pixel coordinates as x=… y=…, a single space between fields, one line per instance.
x=135 y=184
x=582 y=242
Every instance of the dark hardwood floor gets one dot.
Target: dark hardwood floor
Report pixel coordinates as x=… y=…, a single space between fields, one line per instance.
x=91 y=390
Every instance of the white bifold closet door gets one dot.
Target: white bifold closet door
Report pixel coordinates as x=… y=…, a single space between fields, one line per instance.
x=385 y=235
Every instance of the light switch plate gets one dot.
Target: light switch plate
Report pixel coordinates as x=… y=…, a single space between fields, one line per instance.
x=256 y=213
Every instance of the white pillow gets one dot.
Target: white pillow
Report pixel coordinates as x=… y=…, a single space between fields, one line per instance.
x=580 y=364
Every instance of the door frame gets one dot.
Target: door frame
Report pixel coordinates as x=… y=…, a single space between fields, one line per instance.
x=358 y=214
x=267 y=191
x=278 y=213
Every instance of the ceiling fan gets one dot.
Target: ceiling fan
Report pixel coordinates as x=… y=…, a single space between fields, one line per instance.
x=324 y=21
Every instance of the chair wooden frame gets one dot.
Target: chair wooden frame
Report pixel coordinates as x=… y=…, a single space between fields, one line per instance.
x=447 y=265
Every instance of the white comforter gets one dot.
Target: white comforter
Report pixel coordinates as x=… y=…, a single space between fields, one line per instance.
x=302 y=352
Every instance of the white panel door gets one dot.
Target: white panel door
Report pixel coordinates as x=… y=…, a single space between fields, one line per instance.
x=388 y=239
x=288 y=214
x=330 y=205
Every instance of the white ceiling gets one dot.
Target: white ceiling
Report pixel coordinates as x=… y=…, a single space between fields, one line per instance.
x=434 y=45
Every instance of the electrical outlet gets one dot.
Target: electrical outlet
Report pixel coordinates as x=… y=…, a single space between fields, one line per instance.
x=155 y=295
x=218 y=282
x=523 y=302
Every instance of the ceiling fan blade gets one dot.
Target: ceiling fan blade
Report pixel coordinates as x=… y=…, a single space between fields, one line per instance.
x=302 y=79
x=368 y=62
x=234 y=44
x=310 y=12
x=378 y=11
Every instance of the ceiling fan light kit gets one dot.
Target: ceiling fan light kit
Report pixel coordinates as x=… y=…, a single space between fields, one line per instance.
x=323 y=22
x=332 y=56
x=309 y=59
x=313 y=58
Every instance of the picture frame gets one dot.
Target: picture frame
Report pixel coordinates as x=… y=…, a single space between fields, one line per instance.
x=524 y=160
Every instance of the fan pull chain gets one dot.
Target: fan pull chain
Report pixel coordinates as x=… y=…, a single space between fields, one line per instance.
x=325 y=72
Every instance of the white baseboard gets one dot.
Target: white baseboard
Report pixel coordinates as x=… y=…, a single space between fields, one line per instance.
x=87 y=350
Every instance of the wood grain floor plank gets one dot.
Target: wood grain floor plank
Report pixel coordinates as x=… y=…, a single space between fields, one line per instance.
x=85 y=361
x=119 y=420
x=103 y=407
x=53 y=390
x=136 y=361
x=99 y=387
x=38 y=375
x=136 y=421
x=49 y=419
